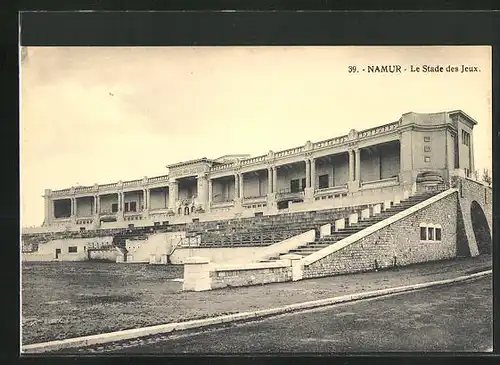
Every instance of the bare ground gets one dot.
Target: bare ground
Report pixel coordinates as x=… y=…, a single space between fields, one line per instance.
x=69 y=299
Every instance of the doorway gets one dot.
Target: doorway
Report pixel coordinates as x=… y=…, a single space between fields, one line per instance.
x=58 y=252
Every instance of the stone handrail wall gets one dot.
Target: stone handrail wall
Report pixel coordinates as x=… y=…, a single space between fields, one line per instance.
x=286 y=245
x=318 y=255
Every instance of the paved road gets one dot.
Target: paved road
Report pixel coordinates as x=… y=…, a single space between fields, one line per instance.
x=452 y=318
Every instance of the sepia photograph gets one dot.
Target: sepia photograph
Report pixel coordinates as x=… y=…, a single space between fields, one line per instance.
x=255 y=199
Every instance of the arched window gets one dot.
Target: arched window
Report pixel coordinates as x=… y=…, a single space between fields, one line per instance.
x=179 y=211
x=192 y=208
x=186 y=211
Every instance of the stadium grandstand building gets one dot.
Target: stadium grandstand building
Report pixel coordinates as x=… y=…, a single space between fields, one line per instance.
x=335 y=188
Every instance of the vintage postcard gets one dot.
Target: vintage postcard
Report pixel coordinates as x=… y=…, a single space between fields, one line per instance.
x=256 y=199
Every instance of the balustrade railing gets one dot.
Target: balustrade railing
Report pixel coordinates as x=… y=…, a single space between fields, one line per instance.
x=380 y=183
x=377 y=130
x=332 y=190
x=253 y=160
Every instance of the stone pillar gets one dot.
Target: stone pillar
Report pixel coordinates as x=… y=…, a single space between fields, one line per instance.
x=313 y=173
x=352 y=184
x=210 y=192
x=240 y=179
x=236 y=185
x=94 y=210
x=357 y=164
x=48 y=202
x=73 y=207
x=98 y=204
x=351 y=166
x=144 y=200
x=269 y=180
x=173 y=190
x=308 y=173
x=294 y=261
x=196 y=274
x=122 y=202
x=275 y=179
x=202 y=190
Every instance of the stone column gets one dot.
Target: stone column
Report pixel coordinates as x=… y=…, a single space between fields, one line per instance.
x=48 y=202
x=313 y=173
x=308 y=174
x=98 y=204
x=202 y=190
x=94 y=211
x=269 y=180
x=357 y=153
x=275 y=179
x=173 y=187
x=144 y=200
x=351 y=165
x=236 y=187
x=210 y=193
x=121 y=206
x=73 y=206
x=352 y=184
x=240 y=189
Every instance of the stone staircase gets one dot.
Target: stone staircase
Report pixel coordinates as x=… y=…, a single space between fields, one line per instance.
x=120 y=240
x=349 y=230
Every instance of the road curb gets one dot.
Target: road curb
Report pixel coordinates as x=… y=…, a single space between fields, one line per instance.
x=198 y=323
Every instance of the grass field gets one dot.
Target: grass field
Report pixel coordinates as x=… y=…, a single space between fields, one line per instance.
x=69 y=299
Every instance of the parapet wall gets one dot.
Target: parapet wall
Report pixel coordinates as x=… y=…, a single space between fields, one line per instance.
x=397 y=244
x=472 y=191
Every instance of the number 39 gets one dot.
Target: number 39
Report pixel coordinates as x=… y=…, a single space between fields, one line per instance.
x=352 y=69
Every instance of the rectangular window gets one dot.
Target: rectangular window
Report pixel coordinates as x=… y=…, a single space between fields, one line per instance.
x=156 y=223
x=127 y=207
x=430 y=234
x=130 y=226
x=196 y=220
x=465 y=138
x=427 y=159
x=114 y=207
x=438 y=234
x=294 y=186
x=133 y=206
x=423 y=233
x=427 y=139
x=303 y=183
x=72 y=249
x=259 y=214
x=164 y=223
x=82 y=229
x=427 y=148
x=323 y=181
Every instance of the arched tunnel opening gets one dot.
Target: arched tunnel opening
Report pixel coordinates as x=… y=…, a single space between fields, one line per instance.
x=481 y=228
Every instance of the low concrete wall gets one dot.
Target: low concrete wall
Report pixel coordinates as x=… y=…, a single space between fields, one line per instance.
x=217 y=254
x=47 y=251
x=200 y=274
x=264 y=273
x=36 y=257
x=106 y=255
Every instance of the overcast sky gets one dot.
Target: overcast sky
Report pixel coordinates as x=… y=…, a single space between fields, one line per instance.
x=103 y=114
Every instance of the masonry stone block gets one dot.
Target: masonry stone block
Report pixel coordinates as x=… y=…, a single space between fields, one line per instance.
x=353 y=219
x=339 y=224
x=196 y=274
x=365 y=213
